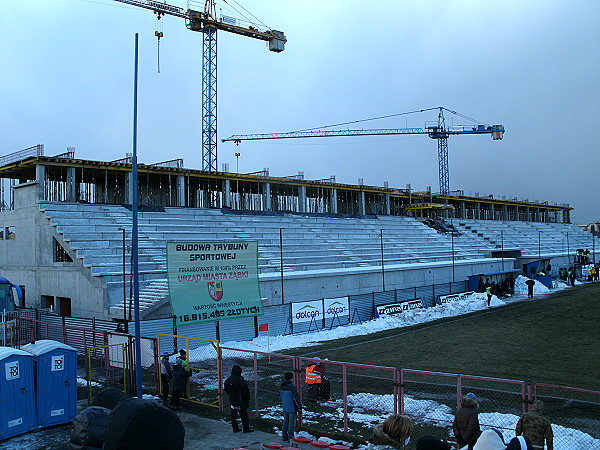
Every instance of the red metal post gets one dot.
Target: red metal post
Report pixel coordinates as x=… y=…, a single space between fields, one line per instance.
x=458 y=389
x=345 y=394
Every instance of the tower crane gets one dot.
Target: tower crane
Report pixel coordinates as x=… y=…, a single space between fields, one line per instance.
x=208 y=23
x=435 y=130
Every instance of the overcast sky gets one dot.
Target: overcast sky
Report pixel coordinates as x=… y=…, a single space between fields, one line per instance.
x=66 y=76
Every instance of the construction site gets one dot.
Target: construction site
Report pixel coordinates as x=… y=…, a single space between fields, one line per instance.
x=127 y=262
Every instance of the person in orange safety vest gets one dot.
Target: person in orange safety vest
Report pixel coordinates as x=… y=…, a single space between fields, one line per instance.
x=318 y=385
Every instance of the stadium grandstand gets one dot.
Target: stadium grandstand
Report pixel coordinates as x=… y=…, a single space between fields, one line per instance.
x=66 y=230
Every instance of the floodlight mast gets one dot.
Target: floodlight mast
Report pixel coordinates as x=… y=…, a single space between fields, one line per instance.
x=208 y=23
x=435 y=130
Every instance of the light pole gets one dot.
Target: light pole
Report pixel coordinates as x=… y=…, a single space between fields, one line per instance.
x=124 y=285
x=452 y=240
x=539 y=245
x=237 y=162
x=502 y=247
x=382 y=266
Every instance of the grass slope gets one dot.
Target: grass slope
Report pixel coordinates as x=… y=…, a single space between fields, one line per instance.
x=553 y=339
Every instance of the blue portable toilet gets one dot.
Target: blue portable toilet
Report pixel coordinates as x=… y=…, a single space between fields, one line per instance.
x=17 y=414
x=55 y=375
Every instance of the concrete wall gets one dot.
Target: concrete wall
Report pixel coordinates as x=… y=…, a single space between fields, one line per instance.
x=340 y=282
x=28 y=260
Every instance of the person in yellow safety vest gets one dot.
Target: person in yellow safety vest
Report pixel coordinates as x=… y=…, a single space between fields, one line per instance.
x=318 y=385
x=185 y=363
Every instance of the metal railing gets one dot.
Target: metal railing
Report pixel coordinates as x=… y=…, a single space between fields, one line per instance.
x=361 y=395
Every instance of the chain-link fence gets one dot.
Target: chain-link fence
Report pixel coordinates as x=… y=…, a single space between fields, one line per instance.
x=97 y=359
x=202 y=355
x=360 y=396
x=107 y=366
x=574 y=414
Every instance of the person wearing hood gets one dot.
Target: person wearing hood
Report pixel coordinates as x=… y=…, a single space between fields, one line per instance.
x=239 y=397
x=178 y=382
x=536 y=427
x=395 y=431
x=290 y=401
x=492 y=440
x=466 y=421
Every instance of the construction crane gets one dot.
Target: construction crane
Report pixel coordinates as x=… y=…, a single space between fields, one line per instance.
x=435 y=130
x=208 y=23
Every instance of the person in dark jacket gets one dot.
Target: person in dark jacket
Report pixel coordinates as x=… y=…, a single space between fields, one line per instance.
x=466 y=421
x=290 y=401
x=431 y=443
x=239 y=397
x=536 y=427
x=178 y=382
x=530 y=284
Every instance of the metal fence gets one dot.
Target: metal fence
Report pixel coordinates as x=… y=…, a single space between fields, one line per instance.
x=106 y=366
x=363 y=395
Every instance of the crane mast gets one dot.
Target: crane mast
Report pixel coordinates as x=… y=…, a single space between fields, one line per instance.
x=435 y=130
x=207 y=23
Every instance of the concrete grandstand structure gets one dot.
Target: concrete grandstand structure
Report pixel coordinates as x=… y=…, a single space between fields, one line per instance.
x=68 y=221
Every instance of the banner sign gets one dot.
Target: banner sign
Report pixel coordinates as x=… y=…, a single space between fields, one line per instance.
x=452 y=297
x=392 y=309
x=211 y=281
x=307 y=311
x=336 y=307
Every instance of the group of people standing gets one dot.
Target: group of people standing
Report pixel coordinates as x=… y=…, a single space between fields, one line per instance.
x=533 y=431
x=238 y=393
x=174 y=377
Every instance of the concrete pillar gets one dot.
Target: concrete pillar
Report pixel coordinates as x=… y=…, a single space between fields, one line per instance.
x=71 y=185
x=492 y=211
x=302 y=199
x=387 y=205
x=180 y=186
x=267 y=205
x=227 y=193
x=333 y=202
x=362 y=207
x=478 y=211
x=40 y=177
x=505 y=212
x=462 y=210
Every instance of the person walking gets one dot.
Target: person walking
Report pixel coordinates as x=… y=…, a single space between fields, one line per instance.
x=239 y=397
x=536 y=427
x=466 y=421
x=488 y=292
x=290 y=401
x=178 y=382
x=530 y=284
x=395 y=431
